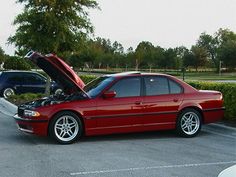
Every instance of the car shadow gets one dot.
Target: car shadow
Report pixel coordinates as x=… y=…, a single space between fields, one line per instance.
x=131 y=136
x=29 y=139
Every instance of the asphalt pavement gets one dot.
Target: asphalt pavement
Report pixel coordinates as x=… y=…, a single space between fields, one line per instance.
x=150 y=154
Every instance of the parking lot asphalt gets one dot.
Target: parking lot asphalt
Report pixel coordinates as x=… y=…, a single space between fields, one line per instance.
x=150 y=154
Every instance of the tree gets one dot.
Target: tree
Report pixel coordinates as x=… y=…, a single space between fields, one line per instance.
x=195 y=57
x=144 y=54
x=227 y=47
x=170 y=58
x=16 y=63
x=210 y=44
x=217 y=46
x=52 y=25
x=188 y=59
x=200 y=56
x=227 y=54
x=180 y=53
x=2 y=55
x=129 y=58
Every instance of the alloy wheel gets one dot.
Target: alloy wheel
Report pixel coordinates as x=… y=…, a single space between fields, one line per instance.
x=190 y=123
x=66 y=128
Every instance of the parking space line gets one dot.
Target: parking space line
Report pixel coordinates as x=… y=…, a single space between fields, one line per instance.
x=220 y=134
x=150 y=168
x=223 y=126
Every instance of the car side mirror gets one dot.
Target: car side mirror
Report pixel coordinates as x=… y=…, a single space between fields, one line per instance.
x=109 y=94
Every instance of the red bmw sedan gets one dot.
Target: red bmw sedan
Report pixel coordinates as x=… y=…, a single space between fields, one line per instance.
x=116 y=103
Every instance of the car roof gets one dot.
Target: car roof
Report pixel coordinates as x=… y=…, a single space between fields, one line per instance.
x=19 y=71
x=135 y=73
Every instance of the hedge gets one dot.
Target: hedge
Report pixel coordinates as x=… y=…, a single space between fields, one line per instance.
x=227 y=89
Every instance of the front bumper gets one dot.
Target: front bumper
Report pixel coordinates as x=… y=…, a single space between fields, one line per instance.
x=35 y=126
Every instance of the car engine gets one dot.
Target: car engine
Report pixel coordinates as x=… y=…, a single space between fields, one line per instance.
x=53 y=99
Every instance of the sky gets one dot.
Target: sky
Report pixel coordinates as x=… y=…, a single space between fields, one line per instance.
x=166 y=23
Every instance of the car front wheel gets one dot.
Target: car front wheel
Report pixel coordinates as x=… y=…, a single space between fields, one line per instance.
x=189 y=123
x=66 y=127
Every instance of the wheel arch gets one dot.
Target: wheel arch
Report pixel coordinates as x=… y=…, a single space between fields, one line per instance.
x=67 y=110
x=195 y=108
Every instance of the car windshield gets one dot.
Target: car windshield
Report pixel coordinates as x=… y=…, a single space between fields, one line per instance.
x=96 y=86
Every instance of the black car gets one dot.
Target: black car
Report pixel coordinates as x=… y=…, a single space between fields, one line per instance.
x=18 y=82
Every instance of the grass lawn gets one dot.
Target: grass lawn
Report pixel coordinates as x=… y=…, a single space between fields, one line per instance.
x=209 y=76
x=204 y=76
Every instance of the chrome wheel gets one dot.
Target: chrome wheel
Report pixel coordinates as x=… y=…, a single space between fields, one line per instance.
x=8 y=92
x=66 y=128
x=190 y=123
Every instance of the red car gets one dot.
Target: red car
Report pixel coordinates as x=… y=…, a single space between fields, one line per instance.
x=116 y=103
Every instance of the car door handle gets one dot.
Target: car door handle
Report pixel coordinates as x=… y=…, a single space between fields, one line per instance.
x=138 y=103
x=175 y=100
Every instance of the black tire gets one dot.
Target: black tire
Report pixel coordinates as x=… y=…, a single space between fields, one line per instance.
x=189 y=123
x=66 y=127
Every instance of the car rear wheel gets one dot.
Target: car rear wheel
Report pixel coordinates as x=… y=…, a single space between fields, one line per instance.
x=7 y=92
x=66 y=127
x=189 y=123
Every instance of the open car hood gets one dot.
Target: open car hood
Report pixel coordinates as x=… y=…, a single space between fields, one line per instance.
x=59 y=71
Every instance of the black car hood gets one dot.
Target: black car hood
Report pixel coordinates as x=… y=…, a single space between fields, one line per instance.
x=59 y=71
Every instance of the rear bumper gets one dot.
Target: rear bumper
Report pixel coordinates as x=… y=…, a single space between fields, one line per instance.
x=213 y=115
x=34 y=126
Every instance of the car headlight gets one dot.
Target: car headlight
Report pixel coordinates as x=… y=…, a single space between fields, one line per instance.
x=30 y=113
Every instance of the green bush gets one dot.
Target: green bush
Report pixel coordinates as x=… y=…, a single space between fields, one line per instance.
x=87 y=78
x=229 y=94
x=23 y=98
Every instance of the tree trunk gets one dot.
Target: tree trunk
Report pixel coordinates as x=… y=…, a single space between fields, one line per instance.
x=136 y=64
x=48 y=85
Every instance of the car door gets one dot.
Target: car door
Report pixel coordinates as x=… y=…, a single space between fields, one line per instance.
x=163 y=97
x=33 y=83
x=123 y=113
x=14 y=80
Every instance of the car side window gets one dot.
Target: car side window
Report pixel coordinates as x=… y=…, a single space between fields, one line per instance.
x=33 y=79
x=174 y=87
x=127 y=87
x=14 y=78
x=156 y=85
x=159 y=85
